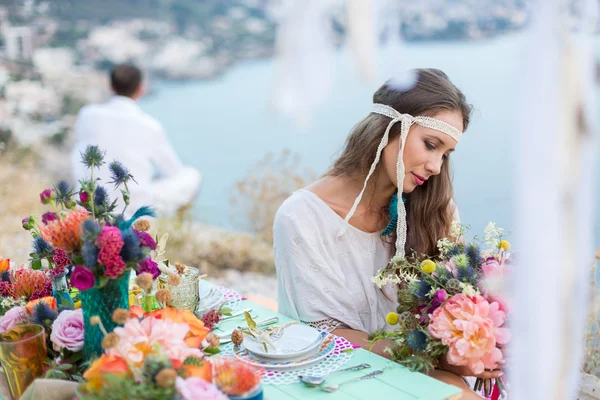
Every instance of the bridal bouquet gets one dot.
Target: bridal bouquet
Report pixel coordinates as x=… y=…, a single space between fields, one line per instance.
x=448 y=308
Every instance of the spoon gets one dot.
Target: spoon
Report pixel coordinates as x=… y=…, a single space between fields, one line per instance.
x=312 y=380
x=333 y=388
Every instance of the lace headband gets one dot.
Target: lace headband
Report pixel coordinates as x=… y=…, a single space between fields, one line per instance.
x=406 y=121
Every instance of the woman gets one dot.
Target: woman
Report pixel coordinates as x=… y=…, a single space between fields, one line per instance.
x=328 y=238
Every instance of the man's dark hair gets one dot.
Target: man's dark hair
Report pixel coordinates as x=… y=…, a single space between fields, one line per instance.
x=125 y=79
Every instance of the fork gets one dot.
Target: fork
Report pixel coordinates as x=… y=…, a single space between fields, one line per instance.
x=333 y=388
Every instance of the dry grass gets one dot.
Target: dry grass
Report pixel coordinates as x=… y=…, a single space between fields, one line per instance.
x=592 y=338
x=20 y=185
x=215 y=250
x=257 y=197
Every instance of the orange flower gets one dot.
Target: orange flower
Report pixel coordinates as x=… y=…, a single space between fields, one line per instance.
x=136 y=312
x=4 y=264
x=197 y=331
x=106 y=364
x=28 y=282
x=49 y=300
x=203 y=371
x=65 y=232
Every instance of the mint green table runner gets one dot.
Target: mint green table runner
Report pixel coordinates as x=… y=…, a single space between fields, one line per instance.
x=397 y=382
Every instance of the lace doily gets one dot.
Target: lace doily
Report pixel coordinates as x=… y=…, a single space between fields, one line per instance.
x=232 y=298
x=229 y=298
x=328 y=325
x=341 y=355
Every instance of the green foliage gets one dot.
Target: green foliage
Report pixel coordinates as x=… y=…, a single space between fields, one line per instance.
x=119 y=388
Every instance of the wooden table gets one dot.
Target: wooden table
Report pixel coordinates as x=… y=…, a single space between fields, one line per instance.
x=397 y=382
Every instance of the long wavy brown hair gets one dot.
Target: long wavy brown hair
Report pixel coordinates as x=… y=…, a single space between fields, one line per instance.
x=429 y=207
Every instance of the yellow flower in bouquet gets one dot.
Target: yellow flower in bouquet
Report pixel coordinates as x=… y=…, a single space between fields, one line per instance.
x=504 y=245
x=428 y=266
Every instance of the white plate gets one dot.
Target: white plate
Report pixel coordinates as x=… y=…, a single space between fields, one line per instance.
x=204 y=290
x=326 y=348
x=213 y=300
x=295 y=341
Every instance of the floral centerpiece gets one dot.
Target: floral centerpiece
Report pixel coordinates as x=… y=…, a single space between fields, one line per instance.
x=446 y=309
x=162 y=354
x=61 y=355
x=83 y=234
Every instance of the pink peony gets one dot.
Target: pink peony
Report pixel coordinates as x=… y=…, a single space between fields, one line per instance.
x=67 y=331
x=491 y=267
x=110 y=243
x=14 y=316
x=472 y=328
x=196 y=388
x=137 y=336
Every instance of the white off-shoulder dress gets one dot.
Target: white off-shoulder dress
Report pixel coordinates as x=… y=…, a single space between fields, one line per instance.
x=324 y=279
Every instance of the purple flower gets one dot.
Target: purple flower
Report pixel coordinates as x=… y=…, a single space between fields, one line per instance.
x=47 y=195
x=84 y=197
x=82 y=278
x=28 y=223
x=150 y=267
x=440 y=296
x=67 y=331
x=49 y=217
x=146 y=240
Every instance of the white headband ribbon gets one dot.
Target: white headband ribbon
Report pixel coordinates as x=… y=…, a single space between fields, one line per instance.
x=406 y=121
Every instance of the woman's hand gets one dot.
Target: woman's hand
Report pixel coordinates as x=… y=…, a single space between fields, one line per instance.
x=466 y=371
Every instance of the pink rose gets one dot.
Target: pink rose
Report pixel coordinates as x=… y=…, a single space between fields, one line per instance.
x=196 y=388
x=14 y=316
x=82 y=278
x=67 y=331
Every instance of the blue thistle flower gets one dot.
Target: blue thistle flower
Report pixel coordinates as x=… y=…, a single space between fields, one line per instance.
x=420 y=289
x=120 y=174
x=64 y=192
x=41 y=247
x=89 y=252
x=466 y=275
x=442 y=274
x=417 y=340
x=43 y=315
x=474 y=256
x=92 y=157
x=131 y=250
x=91 y=229
x=100 y=196
x=454 y=251
x=5 y=276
